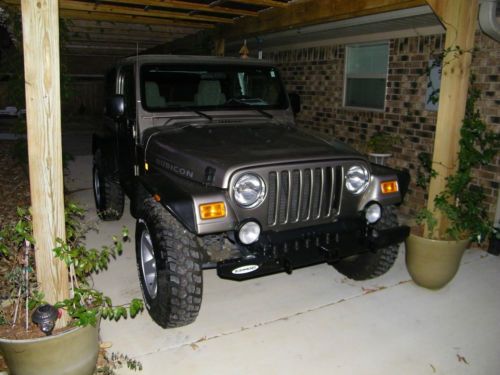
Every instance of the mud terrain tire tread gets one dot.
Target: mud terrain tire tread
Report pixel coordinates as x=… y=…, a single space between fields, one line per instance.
x=112 y=198
x=178 y=264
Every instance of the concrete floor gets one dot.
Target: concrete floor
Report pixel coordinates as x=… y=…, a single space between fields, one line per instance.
x=314 y=321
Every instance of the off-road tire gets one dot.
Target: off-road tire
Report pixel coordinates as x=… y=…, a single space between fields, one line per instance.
x=178 y=268
x=372 y=264
x=108 y=194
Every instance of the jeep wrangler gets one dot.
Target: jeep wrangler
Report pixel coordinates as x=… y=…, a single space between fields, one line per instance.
x=219 y=176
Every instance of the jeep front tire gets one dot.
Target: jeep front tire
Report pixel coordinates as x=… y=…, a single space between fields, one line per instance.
x=169 y=263
x=372 y=264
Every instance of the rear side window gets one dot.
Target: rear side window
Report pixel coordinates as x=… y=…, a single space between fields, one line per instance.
x=110 y=88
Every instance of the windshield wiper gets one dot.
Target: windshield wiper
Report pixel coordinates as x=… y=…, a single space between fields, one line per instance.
x=239 y=101
x=199 y=113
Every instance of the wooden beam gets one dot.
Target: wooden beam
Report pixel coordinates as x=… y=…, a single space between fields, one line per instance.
x=123 y=18
x=115 y=9
x=191 y=6
x=40 y=21
x=263 y=3
x=304 y=13
x=460 y=19
x=103 y=44
x=89 y=38
x=106 y=25
x=119 y=32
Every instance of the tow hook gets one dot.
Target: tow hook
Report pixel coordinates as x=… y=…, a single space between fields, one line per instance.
x=287 y=266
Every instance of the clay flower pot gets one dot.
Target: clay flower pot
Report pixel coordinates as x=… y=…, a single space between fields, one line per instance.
x=433 y=263
x=73 y=352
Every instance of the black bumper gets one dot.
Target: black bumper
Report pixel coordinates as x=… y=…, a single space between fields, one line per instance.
x=285 y=251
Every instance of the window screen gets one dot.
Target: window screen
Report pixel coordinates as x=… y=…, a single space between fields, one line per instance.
x=366 y=75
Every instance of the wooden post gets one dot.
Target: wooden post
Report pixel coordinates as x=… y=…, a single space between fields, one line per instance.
x=219 y=48
x=459 y=17
x=40 y=20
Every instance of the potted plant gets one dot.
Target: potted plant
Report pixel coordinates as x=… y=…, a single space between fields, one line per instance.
x=74 y=349
x=379 y=147
x=432 y=259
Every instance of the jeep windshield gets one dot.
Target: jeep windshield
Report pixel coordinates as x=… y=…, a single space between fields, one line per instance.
x=204 y=87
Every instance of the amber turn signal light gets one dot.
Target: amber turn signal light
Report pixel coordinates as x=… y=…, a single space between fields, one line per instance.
x=212 y=210
x=389 y=187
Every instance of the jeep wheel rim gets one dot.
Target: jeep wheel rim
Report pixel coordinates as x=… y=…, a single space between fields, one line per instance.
x=97 y=187
x=148 y=264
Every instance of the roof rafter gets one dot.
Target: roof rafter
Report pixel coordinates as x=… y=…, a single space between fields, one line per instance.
x=125 y=29
x=264 y=3
x=190 y=6
x=125 y=18
x=118 y=9
x=112 y=27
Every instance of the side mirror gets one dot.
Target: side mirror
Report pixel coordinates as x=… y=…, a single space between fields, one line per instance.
x=294 y=102
x=115 y=106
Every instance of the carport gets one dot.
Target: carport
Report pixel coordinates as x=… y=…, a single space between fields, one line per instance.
x=266 y=326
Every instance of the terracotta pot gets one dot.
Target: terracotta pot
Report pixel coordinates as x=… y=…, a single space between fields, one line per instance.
x=73 y=352
x=433 y=263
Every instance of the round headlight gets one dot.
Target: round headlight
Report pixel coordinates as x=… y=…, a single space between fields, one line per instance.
x=373 y=213
x=356 y=179
x=249 y=233
x=249 y=190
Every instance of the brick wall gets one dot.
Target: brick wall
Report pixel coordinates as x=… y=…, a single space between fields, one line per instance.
x=317 y=74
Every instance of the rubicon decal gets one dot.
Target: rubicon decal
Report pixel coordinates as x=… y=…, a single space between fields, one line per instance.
x=245 y=269
x=175 y=168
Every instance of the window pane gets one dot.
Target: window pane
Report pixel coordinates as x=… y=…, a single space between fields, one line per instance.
x=129 y=90
x=365 y=92
x=167 y=87
x=367 y=59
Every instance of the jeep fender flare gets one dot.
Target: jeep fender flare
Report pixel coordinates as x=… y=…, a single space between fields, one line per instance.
x=175 y=199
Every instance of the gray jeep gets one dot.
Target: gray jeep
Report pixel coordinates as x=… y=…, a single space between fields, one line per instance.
x=219 y=176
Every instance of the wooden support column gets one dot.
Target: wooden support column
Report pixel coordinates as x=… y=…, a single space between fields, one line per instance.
x=459 y=17
x=219 y=47
x=40 y=20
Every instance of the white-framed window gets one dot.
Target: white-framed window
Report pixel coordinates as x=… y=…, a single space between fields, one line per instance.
x=365 y=82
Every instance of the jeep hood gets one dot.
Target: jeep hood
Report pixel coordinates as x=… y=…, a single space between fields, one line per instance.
x=208 y=154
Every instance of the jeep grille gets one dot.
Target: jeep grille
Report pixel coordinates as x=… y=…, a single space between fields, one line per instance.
x=301 y=195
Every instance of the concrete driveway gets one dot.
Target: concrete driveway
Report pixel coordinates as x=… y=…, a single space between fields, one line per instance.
x=314 y=321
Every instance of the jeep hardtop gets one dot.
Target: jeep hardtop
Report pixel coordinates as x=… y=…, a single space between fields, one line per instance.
x=219 y=175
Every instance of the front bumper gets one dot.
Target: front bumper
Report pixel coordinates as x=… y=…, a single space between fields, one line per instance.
x=285 y=251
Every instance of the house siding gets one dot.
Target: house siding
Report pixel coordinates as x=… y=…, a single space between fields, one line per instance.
x=317 y=75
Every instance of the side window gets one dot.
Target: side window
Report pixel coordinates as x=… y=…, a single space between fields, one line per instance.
x=110 y=87
x=366 y=75
x=128 y=87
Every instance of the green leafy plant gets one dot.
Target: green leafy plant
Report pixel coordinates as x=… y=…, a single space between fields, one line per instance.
x=86 y=304
x=462 y=201
x=425 y=171
x=117 y=361
x=382 y=143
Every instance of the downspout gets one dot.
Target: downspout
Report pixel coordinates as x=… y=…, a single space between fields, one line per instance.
x=488 y=19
